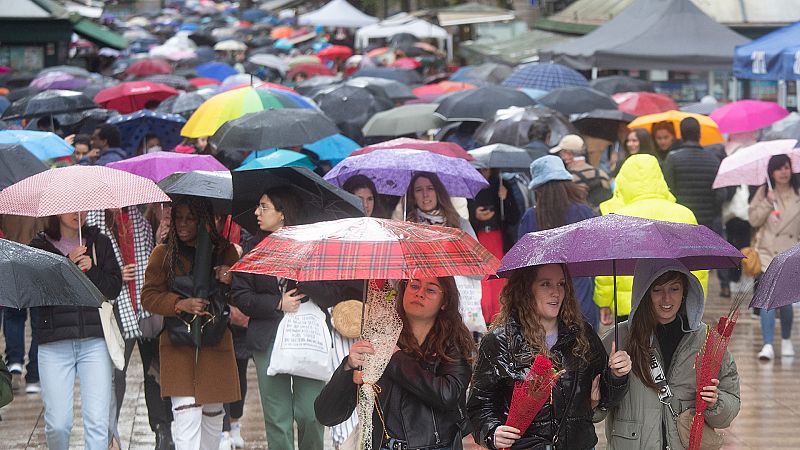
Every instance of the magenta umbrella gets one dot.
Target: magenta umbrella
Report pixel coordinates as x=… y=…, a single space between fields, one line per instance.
x=159 y=165
x=748 y=165
x=747 y=115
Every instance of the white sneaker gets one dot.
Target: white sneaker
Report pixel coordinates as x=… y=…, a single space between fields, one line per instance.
x=236 y=435
x=33 y=388
x=225 y=442
x=766 y=353
x=787 y=349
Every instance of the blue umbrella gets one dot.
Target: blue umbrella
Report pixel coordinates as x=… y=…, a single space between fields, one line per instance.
x=135 y=126
x=279 y=158
x=545 y=77
x=44 y=145
x=216 y=70
x=283 y=44
x=333 y=148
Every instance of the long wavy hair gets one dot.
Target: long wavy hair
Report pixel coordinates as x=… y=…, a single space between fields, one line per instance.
x=516 y=300
x=443 y=202
x=553 y=199
x=643 y=325
x=448 y=329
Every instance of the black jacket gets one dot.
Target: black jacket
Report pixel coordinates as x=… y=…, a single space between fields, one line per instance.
x=488 y=198
x=689 y=172
x=422 y=403
x=57 y=323
x=505 y=357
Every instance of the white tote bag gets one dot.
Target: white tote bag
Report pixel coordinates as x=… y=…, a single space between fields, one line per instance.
x=302 y=345
x=112 y=335
x=469 y=291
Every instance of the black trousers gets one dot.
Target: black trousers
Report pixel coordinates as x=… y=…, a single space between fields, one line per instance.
x=159 y=410
x=235 y=410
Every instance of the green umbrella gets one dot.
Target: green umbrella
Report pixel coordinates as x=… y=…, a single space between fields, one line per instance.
x=406 y=119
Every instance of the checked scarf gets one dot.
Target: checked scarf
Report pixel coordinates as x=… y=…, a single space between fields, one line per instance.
x=132 y=244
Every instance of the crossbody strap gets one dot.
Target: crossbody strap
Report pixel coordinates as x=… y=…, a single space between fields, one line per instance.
x=660 y=379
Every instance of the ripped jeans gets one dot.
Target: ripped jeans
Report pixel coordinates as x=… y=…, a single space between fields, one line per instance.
x=196 y=426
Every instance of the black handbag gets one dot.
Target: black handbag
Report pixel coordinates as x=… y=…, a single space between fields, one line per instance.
x=198 y=331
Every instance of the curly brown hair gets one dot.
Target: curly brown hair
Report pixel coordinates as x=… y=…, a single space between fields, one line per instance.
x=448 y=330
x=516 y=299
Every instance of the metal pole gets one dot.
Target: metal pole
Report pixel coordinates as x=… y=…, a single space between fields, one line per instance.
x=616 y=332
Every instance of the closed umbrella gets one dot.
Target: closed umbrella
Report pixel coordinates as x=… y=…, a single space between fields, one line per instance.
x=643 y=103
x=747 y=115
x=135 y=127
x=406 y=119
x=133 y=95
x=576 y=100
x=618 y=83
x=48 y=103
x=17 y=163
x=42 y=144
x=545 y=77
x=502 y=156
x=480 y=104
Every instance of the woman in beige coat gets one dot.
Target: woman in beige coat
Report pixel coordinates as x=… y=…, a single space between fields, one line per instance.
x=775 y=213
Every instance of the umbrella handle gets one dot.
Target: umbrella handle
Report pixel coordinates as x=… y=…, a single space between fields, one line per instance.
x=616 y=332
x=404 y=208
x=363 y=307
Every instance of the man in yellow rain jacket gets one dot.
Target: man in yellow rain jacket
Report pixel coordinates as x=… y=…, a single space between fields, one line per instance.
x=640 y=191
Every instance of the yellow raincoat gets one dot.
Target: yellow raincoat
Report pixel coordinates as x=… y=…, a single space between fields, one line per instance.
x=640 y=191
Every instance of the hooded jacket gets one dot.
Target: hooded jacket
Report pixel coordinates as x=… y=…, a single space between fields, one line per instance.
x=640 y=192
x=690 y=172
x=636 y=422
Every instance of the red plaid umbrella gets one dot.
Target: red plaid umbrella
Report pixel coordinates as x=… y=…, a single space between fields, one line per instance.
x=132 y=96
x=149 y=66
x=442 y=148
x=367 y=249
x=77 y=188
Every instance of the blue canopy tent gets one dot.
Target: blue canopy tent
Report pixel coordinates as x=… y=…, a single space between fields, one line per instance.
x=775 y=56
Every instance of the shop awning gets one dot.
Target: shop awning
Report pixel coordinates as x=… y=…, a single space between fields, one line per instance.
x=470 y=13
x=96 y=33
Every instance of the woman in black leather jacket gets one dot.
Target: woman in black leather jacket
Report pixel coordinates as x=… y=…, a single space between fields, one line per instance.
x=541 y=315
x=423 y=389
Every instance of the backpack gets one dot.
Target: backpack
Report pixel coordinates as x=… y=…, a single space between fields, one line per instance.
x=596 y=192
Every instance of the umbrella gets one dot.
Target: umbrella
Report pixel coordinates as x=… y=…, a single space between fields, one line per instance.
x=235 y=103
x=185 y=103
x=431 y=92
x=442 y=148
x=310 y=85
x=149 y=66
x=320 y=199
x=510 y=126
x=136 y=126
x=545 y=77
x=133 y=95
x=230 y=45
x=502 y=156
x=393 y=90
x=406 y=63
x=786 y=128
x=309 y=70
x=480 y=104
x=404 y=76
x=618 y=83
x=17 y=163
x=176 y=81
x=59 y=80
x=747 y=115
x=159 y=165
x=335 y=52
x=350 y=107
x=279 y=158
x=493 y=73
x=333 y=148
x=367 y=248
x=601 y=123
x=33 y=277
x=84 y=121
x=48 y=103
x=392 y=169
x=271 y=61
x=709 y=132
x=748 y=165
x=237 y=81
x=406 y=119
x=704 y=106
x=96 y=86
x=576 y=100
x=216 y=186
x=272 y=128
x=215 y=70
x=203 y=82
x=643 y=103
x=281 y=32
x=76 y=71
x=780 y=283
x=42 y=144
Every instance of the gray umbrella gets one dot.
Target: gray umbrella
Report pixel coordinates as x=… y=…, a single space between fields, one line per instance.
x=48 y=103
x=406 y=119
x=502 y=156
x=185 y=103
x=394 y=90
x=217 y=187
x=510 y=126
x=31 y=277
x=17 y=163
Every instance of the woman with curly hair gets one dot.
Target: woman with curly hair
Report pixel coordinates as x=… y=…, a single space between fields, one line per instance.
x=420 y=402
x=540 y=315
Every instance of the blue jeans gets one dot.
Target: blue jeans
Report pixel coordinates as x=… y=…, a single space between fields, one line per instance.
x=768 y=323
x=59 y=362
x=14 y=332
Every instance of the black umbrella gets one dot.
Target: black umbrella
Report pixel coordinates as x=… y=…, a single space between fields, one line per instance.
x=311 y=85
x=217 y=187
x=480 y=104
x=350 y=107
x=391 y=89
x=619 y=83
x=576 y=100
x=172 y=80
x=512 y=125
x=17 y=163
x=320 y=199
x=94 y=87
x=407 y=76
x=18 y=93
x=31 y=277
x=72 y=70
x=501 y=156
x=601 y=123
x=84 y=122
x=272 y=128
x=185 y=103
x=402 y=39
x=48 y=103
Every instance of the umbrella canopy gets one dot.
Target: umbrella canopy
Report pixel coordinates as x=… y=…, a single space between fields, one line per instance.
x=545 y=77
x=215 y=70
x=33 y=277
x=619 y=83
x=59 y=80
x=135 y=127
x=406 y=119
x=780 y=283
x=84 y=121
x=502 y=156
x=709 y=132
x=48 y=103
x=748 y=165
x=576 y=100
x=394 y=90
x=334 y=52
x=185 y=103
x=493 y=73
x=333 y=148
x=510 y=126
x=72 y=70
x=77 y=188
x=17 y=163
x=480 y=104
x=44 y=145
x=279 y=158
x=133 y=95
x=601 y=123
x=309 y=71
x=237 y=81
x=786 y=128
x=704 y=106
x=176 y=81
x=320 y=199
x=159 y=165
x=230 y=45
x=643 y=103
x=350 y=107
x=391 y=170
x=216 y=186
x=204 y=82
x=304 y=59
x=431 y=92
x=405 y=76
x=367 y=248
x=271 y=61
x=439 y=147
x=747 y=115
x=149 y=66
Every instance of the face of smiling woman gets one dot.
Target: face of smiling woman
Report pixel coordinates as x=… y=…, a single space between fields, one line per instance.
x=667 y=299
x=548 y=291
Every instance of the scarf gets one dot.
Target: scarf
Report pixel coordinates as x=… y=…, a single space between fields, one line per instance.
x=433 y=217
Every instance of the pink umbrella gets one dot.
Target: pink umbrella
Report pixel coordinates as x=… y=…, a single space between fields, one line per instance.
x=442 y=148
x=159 y=165
x=747 y=115
x=748 y=165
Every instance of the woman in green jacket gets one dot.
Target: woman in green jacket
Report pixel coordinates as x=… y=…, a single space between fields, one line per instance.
x=5 y=385
x=665 y=321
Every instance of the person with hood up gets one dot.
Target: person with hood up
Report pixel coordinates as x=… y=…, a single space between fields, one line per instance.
x=665 y=324
x=640 y=192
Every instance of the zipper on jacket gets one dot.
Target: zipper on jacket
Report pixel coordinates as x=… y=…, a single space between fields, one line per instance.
x=435 y=428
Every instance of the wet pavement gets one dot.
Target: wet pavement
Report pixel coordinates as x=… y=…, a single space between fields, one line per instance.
x=769 y=417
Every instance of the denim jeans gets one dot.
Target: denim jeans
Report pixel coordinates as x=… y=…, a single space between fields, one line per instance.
x=14 y=332
x=59 y=362
x=768 y=323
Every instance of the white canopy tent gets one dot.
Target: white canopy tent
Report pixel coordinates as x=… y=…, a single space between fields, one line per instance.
x=405 y=23
x=337 y=13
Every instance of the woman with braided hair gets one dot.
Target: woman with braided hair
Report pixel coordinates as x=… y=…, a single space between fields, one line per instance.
x=198 y=380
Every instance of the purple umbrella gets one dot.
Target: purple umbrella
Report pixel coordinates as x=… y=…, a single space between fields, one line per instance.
x=780 y=283
x=392 y=170
x=159 y=165
x=59 y=80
